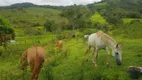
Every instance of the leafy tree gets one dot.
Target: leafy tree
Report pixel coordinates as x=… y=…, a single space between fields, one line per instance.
x=6 y=28
x=48 y=25
x=114 y=20
x=77 y=15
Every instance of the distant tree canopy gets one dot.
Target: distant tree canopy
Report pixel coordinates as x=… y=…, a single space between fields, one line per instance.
x=78 y=16
x=5 y=27
x=115 y=10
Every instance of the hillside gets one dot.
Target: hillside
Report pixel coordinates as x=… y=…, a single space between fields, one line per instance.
x=25 y=4
x=114 y=10
x=44 y=26
x=34 y=16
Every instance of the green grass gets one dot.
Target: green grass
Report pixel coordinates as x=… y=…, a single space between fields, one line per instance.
x=74 y=69
x=70 y=65
x=128 y=20
x=98 y=18
x=130 y=31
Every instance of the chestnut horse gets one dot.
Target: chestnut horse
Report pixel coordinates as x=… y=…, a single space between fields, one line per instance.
x=59 y=44
x=34 y=57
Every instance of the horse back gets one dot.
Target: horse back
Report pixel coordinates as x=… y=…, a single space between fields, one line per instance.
x=33 y=52
x=59 y=44
x=100 y=39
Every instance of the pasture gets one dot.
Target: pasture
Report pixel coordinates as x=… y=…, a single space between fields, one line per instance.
x=69 y=64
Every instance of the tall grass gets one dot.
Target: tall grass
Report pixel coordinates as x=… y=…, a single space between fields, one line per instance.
x=69 y=63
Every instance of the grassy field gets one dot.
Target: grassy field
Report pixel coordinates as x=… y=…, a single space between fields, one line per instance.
x=69 y=65
x=22 y=17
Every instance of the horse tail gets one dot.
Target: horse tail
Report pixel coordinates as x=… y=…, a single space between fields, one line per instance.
x=36 y=51
x=41 y=60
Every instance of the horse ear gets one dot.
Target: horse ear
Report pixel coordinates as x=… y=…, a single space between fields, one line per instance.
x=117 y=46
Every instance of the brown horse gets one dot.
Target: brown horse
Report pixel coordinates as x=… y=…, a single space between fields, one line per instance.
x=59 y=44
x=34 y=57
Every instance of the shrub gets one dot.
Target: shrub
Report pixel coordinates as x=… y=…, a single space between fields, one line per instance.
x=33 y=31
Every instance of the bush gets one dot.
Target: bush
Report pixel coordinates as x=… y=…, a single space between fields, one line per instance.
x=129 y=30
x=33 y=31
x=134 y=21
x=49 y=25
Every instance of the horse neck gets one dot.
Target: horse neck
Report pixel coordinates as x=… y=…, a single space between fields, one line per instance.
x=112 y=45
x=108 y=40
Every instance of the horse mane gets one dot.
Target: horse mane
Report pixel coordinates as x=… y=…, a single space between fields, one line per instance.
x=106 y=38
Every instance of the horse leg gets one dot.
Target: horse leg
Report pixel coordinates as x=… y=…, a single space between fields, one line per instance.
x=38 y=70
x=108 y=53
x=94 y=54
x=31 y=66
x=34 y=74
x=87 y=52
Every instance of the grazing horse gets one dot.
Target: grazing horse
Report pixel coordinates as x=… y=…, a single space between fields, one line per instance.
x=59 y=44
x=100 y=40
x=34 y=57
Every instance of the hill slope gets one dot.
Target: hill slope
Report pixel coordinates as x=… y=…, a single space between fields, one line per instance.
x=21 y=17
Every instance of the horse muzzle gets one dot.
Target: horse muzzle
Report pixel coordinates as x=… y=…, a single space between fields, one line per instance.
x=119 y=62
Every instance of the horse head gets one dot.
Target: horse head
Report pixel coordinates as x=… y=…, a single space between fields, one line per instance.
x=117 y=54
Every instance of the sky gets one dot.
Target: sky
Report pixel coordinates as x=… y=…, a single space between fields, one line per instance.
x=48 y=2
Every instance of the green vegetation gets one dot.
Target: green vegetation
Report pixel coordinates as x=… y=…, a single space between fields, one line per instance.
x=98 y=18
x=5 y=27
x=31 y=16
x=101 y=4
x=129 y=20
x=40 y=25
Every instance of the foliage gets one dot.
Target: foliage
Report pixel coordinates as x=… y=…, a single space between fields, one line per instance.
x=129 y=30
x=115 y=10
x=131 y=20
x=33 y=31
x=6 y=28
x=97 y=18
x=48 y=25
x=77 y=15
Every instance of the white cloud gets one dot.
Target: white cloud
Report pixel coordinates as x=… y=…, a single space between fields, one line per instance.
x=84 y=1
x=48 y=2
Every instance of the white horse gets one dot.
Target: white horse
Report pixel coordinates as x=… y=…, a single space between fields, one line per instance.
x=100 y=40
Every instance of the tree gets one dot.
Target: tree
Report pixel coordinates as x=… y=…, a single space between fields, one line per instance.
x=48 y=25
x=6 y=28
x=77 y=15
